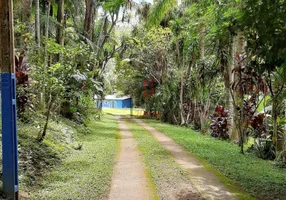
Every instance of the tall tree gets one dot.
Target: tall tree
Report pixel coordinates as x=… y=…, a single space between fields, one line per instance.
x=26 y=11
x=61 y=24
x=90 y=8
x=37 y=23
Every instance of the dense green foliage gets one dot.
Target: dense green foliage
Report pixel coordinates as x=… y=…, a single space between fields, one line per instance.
x=202 y=54
x=62 y=55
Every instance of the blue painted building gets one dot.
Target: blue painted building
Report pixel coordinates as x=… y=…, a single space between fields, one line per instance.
x=111 y=101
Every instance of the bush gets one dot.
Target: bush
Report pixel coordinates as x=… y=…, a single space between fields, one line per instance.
x=264 y=148
x=219 y=125
x=259 y=126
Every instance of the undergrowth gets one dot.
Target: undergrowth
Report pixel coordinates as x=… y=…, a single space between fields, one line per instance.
x=85 y=172
x=36 y=158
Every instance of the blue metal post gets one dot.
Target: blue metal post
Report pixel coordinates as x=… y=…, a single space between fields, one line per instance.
x=8 y=89
x=9 y=136
x=131 y=107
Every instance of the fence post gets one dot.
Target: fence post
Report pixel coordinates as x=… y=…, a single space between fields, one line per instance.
x=8 y=91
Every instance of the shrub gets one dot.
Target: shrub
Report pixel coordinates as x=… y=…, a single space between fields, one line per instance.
x=21 y=67
x=219 y=125
x=264 y=148
x=259 y=127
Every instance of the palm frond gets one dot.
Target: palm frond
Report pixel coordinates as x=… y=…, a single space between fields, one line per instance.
x=160 y=9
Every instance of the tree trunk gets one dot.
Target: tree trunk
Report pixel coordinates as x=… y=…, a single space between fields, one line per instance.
x=61 y=19
x=275 y=124
x=232 y=130
x=7 y=59
x=47 y=27
x=203 y=122
x=60 y=27
x=37 y=23
x=89 y=18
x=103 y=29
x=240 y=42
x=201 y=98
x=48 y=113
x=284 y=117
x=236 y=131
x=26 y=7
x=26 y=11
x=181 y=114
x=239 y=117
x=202 y=42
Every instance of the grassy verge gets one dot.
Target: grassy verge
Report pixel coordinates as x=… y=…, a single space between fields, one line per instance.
x=257 y=177
x=85 y=173
x=36 y=158
x=166 y=174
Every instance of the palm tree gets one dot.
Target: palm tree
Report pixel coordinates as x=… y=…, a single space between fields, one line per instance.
x=160 y=9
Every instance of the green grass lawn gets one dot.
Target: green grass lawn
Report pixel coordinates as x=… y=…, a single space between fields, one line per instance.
x=255 y=176
x=161 y=166
x=86 y=173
